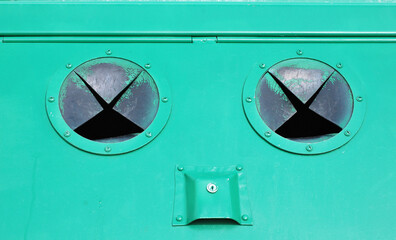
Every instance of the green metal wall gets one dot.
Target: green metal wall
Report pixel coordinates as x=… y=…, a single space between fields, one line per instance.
x=52 y=190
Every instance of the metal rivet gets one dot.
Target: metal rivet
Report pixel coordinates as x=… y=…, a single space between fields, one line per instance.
x=249 y=99
x=339 y=65
x=148 y=134
x=165 y=99
x=347 y=133
x=239 y=167
x=309 y=148
x=108 y=52
x=66 y=134
x=299 y=52
x=262 y=66
x=107 y=149
x=180 y=168
x=51 y=99
x=245 y=217
x=267 y=134
x=69 y=65
x=147 y=66
x=211 y=187
x=359 y=98
x=179 y=218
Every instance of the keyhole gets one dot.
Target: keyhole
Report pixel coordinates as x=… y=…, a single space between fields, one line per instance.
x=211 y=187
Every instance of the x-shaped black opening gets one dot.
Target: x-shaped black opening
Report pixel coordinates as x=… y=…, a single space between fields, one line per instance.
x=305 y=122
x=108 y=123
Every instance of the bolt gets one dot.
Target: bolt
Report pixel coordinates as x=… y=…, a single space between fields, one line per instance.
x=147 y=66
x=359 y=98
x=299 y=52
x=267 y=134
x=339 y=65
x=309 y=148
x=239 y=167
x=108 y=52
x=107 y=149
x=249 y=99
x=245 y=217
x=51 y=99
x=180 y=168
x=148 y=134
x=179 y=218
x=211 y=187
x=66 y=134
x=69 y=65
x=262 y=66
x=347 y=133
x=165 y=99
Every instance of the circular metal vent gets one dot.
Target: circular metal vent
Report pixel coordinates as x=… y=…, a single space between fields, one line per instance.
x=108 y=100
x=304 y=100
x=108 y=105
x=303 y=105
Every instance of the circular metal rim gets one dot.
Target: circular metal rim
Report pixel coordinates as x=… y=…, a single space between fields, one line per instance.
x=253 y=116
x=61 y=127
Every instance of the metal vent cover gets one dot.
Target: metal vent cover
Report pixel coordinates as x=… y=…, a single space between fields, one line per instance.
x=301 y=104
x=108 y=100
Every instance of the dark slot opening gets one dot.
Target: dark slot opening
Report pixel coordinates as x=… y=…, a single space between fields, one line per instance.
x=307 y=124
x=107 y=124
x=214 y=221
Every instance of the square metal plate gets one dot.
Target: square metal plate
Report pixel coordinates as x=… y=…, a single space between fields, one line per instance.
x=211 y=193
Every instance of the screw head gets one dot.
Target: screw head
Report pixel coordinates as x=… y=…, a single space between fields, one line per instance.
x=165 y=99
x=239 y=167
x=211 y=187
x=309 y=148
x=359 y=98
x=66 y=134
x=148 y=134
x=299 y=52
x=180 y=168
x=147 y=66
x=107 y=149
x=179 y=218
x=262 y=66
x=339 y=65
x=245 y=217
x=108 y=52
x=51 y=99
x=69 y=65
x=347 y=133
x=267 y=134
x=249 y=99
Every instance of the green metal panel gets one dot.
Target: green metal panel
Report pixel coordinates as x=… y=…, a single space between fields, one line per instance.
x=50 y=189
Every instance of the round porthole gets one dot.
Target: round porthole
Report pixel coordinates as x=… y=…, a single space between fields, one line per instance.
x=108 y=105
x=303 y=105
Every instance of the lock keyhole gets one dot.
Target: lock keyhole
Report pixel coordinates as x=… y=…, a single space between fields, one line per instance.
x=212 y=188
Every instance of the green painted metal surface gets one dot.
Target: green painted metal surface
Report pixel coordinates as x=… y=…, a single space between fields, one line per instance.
x=50 y=189
x=203 y=193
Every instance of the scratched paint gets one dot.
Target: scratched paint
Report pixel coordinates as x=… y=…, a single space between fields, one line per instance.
x=272 y=104
x=302 y=76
